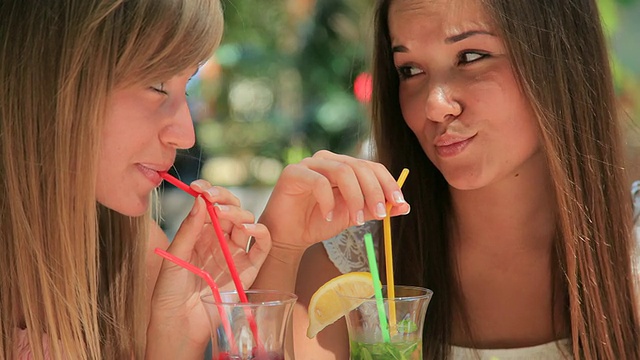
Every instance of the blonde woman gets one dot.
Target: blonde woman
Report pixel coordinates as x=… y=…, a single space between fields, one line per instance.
x=93 y=106
x=520 y=220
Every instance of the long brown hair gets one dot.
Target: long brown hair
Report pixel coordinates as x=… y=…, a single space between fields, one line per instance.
x=559 y=56
x=72 y=269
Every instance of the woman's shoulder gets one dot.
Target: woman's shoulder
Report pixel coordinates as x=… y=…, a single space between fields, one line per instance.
x=346 y=250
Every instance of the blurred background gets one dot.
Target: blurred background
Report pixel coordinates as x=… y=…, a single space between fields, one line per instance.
x=290 y=78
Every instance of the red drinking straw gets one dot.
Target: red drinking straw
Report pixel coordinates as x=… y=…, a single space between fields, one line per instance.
x=212 y=284
x=179 y=184
x=216 y=225
x=223 y=246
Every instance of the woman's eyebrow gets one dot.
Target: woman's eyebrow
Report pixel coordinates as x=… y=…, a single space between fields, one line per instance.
x=450 y=40
x=466 y=34
x=399 y=48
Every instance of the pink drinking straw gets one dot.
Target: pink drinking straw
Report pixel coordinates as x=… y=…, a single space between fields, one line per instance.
x=223 y=246
x=216 y=225
x=179 y=184
x=212 y=284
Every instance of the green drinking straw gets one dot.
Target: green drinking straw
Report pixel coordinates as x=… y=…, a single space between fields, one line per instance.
x=377 y=289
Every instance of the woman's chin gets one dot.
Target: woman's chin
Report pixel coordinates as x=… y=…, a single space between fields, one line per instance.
x=133 y=209
x=465 y=182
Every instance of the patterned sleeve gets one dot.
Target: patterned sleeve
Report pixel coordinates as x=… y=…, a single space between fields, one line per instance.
x=346 y=250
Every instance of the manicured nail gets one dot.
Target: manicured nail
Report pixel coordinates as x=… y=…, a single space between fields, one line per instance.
x=380 y=210
x=398 y=198
x=408 y=210
x=329 y=216
x=222 y=207
x=249 y=226
x=213 y=191
x=360 y=217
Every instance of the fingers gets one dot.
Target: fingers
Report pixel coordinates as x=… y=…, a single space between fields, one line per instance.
x=221 y=197
x=235 y=224
x=260 y=239
x=296 y=179
x=234 y=214
x=190 y=231
x=214 y=194
x=365 y=186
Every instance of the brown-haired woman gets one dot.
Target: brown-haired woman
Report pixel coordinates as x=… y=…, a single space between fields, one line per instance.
x=504 y=112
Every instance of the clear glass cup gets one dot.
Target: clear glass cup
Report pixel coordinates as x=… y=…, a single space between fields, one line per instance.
x=269 y=309
x=365 y=335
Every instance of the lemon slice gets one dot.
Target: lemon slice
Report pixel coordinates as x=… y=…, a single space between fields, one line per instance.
x=326 y=306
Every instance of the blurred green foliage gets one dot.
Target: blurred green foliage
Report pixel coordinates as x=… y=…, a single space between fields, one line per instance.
x=620 y=18
x=283 y=89
x=281 y=85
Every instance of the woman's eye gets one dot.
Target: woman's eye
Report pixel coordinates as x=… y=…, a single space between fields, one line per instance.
x=468 y=57
x=406 y=72
x=159 y=87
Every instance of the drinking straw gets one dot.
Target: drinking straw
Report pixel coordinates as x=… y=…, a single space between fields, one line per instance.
x=388 y=257
x=216 y=226
x=223 y=246
x=212 y=284
x=377 y=289
x=179 y=184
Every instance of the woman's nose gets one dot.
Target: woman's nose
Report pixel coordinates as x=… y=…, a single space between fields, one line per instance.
x=441 y=105
x=179 y=132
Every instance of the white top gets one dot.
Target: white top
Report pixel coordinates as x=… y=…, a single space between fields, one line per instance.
x=348 y=254
x=555 y=350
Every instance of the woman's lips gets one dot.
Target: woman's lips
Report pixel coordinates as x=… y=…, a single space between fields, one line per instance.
x=448 y=146
x=150 y=174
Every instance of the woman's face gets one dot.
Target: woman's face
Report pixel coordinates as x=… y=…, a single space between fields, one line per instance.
x=145 y=125
x=458 y=93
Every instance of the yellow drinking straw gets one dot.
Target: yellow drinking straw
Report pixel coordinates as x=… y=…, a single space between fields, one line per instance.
x=388 y=257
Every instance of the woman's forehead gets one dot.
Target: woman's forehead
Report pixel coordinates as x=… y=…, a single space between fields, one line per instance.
x=454 y=16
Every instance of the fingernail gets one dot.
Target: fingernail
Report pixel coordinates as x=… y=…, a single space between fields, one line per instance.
x=196 y=206
x=329 y=216
x=408 y=210
x=222 y=207
x=380 y=210
x=398 y=198
x=360 y=217
x=213 y=191
x=249 y=226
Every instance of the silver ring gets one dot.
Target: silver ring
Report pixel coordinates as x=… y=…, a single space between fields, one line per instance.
x=250 y=242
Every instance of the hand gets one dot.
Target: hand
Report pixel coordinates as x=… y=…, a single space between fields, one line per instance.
x=324 y=194
x=238 y=225
x=176 y=305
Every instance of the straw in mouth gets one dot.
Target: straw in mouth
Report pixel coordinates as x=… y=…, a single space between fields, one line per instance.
x=228 y=257
x=216 y=225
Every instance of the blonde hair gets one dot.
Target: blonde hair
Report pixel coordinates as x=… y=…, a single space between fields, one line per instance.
x=72 y=269
x=560 y=59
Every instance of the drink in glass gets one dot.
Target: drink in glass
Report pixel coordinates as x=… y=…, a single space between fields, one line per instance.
x=366 y=340
x=268 y=309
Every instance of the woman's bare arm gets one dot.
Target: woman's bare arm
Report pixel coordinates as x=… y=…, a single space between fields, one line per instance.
x=332 y=342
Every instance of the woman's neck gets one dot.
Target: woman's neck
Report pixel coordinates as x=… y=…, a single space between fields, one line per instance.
x=503 y=247
x=513 y=215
